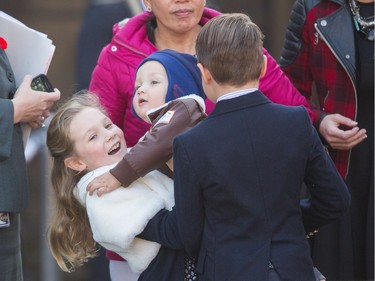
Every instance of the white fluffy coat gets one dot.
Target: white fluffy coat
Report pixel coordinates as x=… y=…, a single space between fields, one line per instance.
x=117 y=217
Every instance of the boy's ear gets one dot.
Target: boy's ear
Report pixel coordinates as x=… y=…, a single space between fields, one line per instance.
x=206 y=75
x=264 y=67
x=75 y=164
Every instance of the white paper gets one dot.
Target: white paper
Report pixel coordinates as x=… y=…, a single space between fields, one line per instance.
x=29 y=52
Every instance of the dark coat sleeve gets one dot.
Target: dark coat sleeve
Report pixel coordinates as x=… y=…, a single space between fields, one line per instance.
x=329 y=195
x=155 y=149
x=162 y=228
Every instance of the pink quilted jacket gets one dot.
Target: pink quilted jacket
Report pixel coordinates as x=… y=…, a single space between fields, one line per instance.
x=114 y=75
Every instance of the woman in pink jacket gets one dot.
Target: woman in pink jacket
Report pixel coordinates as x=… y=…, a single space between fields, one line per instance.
x=166 y=24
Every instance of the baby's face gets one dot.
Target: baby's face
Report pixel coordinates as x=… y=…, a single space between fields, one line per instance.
x=151 y=85
x=98 y=142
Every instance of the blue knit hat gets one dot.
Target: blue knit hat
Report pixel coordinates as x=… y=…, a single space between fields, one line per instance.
x=184 y=77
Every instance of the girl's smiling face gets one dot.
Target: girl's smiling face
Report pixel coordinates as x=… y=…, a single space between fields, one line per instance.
x=151 y=86
x=98 y=142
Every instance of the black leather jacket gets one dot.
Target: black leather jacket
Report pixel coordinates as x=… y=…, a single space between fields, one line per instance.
x=341 y=44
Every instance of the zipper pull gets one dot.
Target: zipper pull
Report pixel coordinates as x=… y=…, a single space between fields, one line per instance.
x=316 y=41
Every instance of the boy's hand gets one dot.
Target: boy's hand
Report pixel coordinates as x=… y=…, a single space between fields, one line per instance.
x=103 y=184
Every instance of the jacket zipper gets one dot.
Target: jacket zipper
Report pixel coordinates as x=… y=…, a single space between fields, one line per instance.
x=351 y=80
x=130 y=48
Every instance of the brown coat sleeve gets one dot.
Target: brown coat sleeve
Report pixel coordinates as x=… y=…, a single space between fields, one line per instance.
x=155 y=149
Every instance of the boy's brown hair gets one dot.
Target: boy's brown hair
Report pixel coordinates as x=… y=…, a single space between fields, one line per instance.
x=230 y=47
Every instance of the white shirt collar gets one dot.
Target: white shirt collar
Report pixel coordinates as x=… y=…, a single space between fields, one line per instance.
x=236 y=94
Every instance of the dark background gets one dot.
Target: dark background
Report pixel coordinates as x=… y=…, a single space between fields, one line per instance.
x=61 y=21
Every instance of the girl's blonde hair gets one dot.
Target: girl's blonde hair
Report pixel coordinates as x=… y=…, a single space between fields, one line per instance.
x=69 y=233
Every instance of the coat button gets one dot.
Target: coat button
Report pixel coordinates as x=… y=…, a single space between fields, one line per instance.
x=113 y=48
x=347 y=56
x=11 y=94
x=10 y=77
x=323 y=23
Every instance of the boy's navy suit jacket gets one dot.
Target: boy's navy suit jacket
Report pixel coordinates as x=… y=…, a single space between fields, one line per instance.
x=238 y=176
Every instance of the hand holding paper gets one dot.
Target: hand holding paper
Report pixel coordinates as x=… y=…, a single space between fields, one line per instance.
x=30 y=53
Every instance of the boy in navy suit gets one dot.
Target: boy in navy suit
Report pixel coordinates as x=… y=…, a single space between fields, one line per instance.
x=238 y=174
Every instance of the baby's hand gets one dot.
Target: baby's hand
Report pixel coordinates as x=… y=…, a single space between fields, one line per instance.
x=103 y=184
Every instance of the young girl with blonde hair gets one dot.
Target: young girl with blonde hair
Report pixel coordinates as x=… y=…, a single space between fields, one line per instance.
x=84 y=143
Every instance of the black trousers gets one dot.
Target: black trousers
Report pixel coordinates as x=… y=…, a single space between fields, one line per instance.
x=10 y=250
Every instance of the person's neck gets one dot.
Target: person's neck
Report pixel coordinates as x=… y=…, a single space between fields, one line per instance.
x=180 y=42
x=223 y=89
